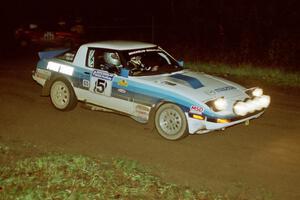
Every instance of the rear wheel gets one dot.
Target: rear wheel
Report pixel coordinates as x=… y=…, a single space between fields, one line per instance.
x=170 y=122
x=62 y=95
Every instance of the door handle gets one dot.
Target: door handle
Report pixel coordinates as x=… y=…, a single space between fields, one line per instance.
x=87 y=73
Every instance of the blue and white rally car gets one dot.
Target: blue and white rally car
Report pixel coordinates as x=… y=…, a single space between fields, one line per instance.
x=143 y=81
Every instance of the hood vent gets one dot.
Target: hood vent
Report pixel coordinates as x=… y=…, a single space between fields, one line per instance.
x=169 y=83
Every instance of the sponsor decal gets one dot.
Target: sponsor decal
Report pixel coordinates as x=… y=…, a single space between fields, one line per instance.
x=143 y=51
x=210 y=92
x=65 y=69
x=123 y=83
x=103 y=75
x=86 y=83
x=122 y=91
x=53 y=66
x=225 y=89
x=196 y=109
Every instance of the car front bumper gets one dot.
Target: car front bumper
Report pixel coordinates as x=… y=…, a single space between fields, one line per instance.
x=204 y=126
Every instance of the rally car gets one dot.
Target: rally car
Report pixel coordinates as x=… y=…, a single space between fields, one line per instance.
x=145 y=82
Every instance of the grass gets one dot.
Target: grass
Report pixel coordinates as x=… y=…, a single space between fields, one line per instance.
x=66 y=176
x=26 y=173
x=274 y=76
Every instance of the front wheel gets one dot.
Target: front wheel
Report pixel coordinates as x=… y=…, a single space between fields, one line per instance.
x=170 y=122
x=62 y=95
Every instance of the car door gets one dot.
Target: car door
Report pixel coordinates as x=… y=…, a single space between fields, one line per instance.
x=102 y=73
x=102 y=65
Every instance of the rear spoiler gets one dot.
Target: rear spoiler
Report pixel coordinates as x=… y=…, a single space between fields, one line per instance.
x=51 y=53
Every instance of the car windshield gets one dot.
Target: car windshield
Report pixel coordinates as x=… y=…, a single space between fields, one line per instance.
x=145 y=62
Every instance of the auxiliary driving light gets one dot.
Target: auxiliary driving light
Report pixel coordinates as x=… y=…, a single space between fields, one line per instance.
x=257 y=103
x=257 y=92
x=240 y=108
x=265 y=101
x=251 y=105
x=220 y=104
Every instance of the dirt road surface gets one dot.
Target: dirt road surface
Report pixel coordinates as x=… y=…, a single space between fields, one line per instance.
x=261 y=157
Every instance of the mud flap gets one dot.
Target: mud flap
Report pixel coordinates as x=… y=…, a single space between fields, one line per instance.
x=46 y=89
x=247 y=122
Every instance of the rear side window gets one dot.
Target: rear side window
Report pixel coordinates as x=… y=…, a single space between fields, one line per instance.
x=102 y=58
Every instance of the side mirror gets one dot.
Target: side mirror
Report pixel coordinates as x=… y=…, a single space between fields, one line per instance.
x=180 y=63
x=124 y=73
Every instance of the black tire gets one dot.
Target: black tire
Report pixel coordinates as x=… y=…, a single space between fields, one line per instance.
x=62 y=95
x=170 y=122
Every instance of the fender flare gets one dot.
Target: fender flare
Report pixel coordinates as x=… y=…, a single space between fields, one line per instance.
x=49 y=82
x=151 y=121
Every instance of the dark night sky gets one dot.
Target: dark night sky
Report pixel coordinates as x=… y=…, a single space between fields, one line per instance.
x=284 y=13
x=262 y=22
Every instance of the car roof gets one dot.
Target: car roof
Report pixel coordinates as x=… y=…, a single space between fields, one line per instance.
x=120 y=45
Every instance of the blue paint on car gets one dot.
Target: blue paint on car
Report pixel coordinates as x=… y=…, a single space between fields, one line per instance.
x=193 y=82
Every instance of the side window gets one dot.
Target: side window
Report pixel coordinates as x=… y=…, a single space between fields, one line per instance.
x=103 y=59
x=91 y=58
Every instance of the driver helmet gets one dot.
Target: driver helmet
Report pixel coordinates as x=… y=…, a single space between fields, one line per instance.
x=112 y=58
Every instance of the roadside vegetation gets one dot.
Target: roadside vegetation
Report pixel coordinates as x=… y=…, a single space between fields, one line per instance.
x=274 y=76
x=28 y=173
x=67 y=176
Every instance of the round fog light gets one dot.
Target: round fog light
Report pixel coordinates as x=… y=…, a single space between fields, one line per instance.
x=257 y=92
x=240 y=109
x=257 y=103
x=251 y=107
x=265 y=101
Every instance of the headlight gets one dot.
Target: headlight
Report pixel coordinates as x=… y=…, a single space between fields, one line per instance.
x=257 y=92
x=251 y=106
x=220 y=104
x=265 y=101
x=257 y=103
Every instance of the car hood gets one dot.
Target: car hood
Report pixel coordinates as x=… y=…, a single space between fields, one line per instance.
x=196 y=85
